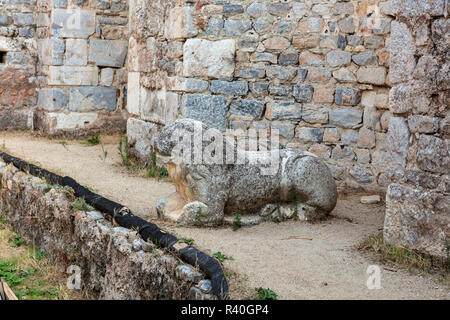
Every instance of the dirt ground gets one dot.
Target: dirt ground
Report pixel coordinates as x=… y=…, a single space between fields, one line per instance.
x=327 y=267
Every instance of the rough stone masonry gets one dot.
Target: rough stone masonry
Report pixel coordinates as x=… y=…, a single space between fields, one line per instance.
x=318 y=71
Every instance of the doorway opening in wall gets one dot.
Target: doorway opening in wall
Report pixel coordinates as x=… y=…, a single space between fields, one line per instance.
x=2 y=57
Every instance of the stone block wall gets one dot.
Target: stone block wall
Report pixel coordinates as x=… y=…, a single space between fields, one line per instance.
x=318 y=71
x=82 y=51
x=418 y=205
x=18 y=64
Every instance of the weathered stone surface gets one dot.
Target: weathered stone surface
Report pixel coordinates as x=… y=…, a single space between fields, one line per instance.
x=187 y=84
x=337 y=58
x=423 y=124
x=253 y=108
x=180 y=24
x=433 y=154
x=51 y=52
x=417 y=219
x=211 y=110
x=106 y=77
x=63 y=121
x=84 y=99
x=346 y=118
x=141 y=136
x=361 y=174
x=212 y=59
x=236 y=27
x=73 y=76
x=347 y=96
x=402 y=53
x=52 y=99
x=368 y=58
x=284 y=111
x=76 y=52
x=276 y=43
x=281 y=73
x=310 y=134
x=303 y=93
x=72 y=23
x=108 y=53
x=398 y=140
x=300 y=173
x=371 y=75
x=370 y=199
x=233 y=88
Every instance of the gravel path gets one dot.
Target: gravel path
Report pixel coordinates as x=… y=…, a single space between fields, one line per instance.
x=326 y=267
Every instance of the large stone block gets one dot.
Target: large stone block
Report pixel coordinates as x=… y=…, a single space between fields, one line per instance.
x=284 y=111
x=347 y=96
x=134 y=93
x=372 y=75
x=402 y=49
x=251 y=108
x=346 y=118
x=108 y=53
x=76 y=52
x=84 y=99
x=417 y=219
x=73 y=76
x=211 y=110
x=141 y=55
x=232 y=88
x=51 y=51
x=52 y=99
x=72 y=23
x=398 y=141
x=209 y=59
x=158 y=106
x=433 y=154
x=180 y=24
x=63 y=121
x=186 y=84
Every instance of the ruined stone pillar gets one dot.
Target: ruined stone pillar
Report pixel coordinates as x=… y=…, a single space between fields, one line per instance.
x=418 y=206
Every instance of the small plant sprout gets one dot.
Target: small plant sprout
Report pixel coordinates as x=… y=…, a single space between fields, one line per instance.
x=188 y=241
x=92 y=141
x=237 y=223
x=222 y=257
x=104 y=154
x=198 y=215
x=17 y=241
x=265 y=294
x=124 y=151
x=80 y=205
x=64 y=144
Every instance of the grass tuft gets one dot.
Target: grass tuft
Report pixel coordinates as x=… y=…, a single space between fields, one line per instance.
x=402 y=256
x=124 y=151
x=92 y=141
x=265 y=294
x=188 y=241
x=222 y=257
x=80 y=205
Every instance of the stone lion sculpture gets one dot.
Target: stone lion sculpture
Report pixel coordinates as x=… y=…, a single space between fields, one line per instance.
x=295 y=185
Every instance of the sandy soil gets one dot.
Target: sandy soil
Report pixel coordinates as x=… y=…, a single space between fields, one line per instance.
x=326 y=267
